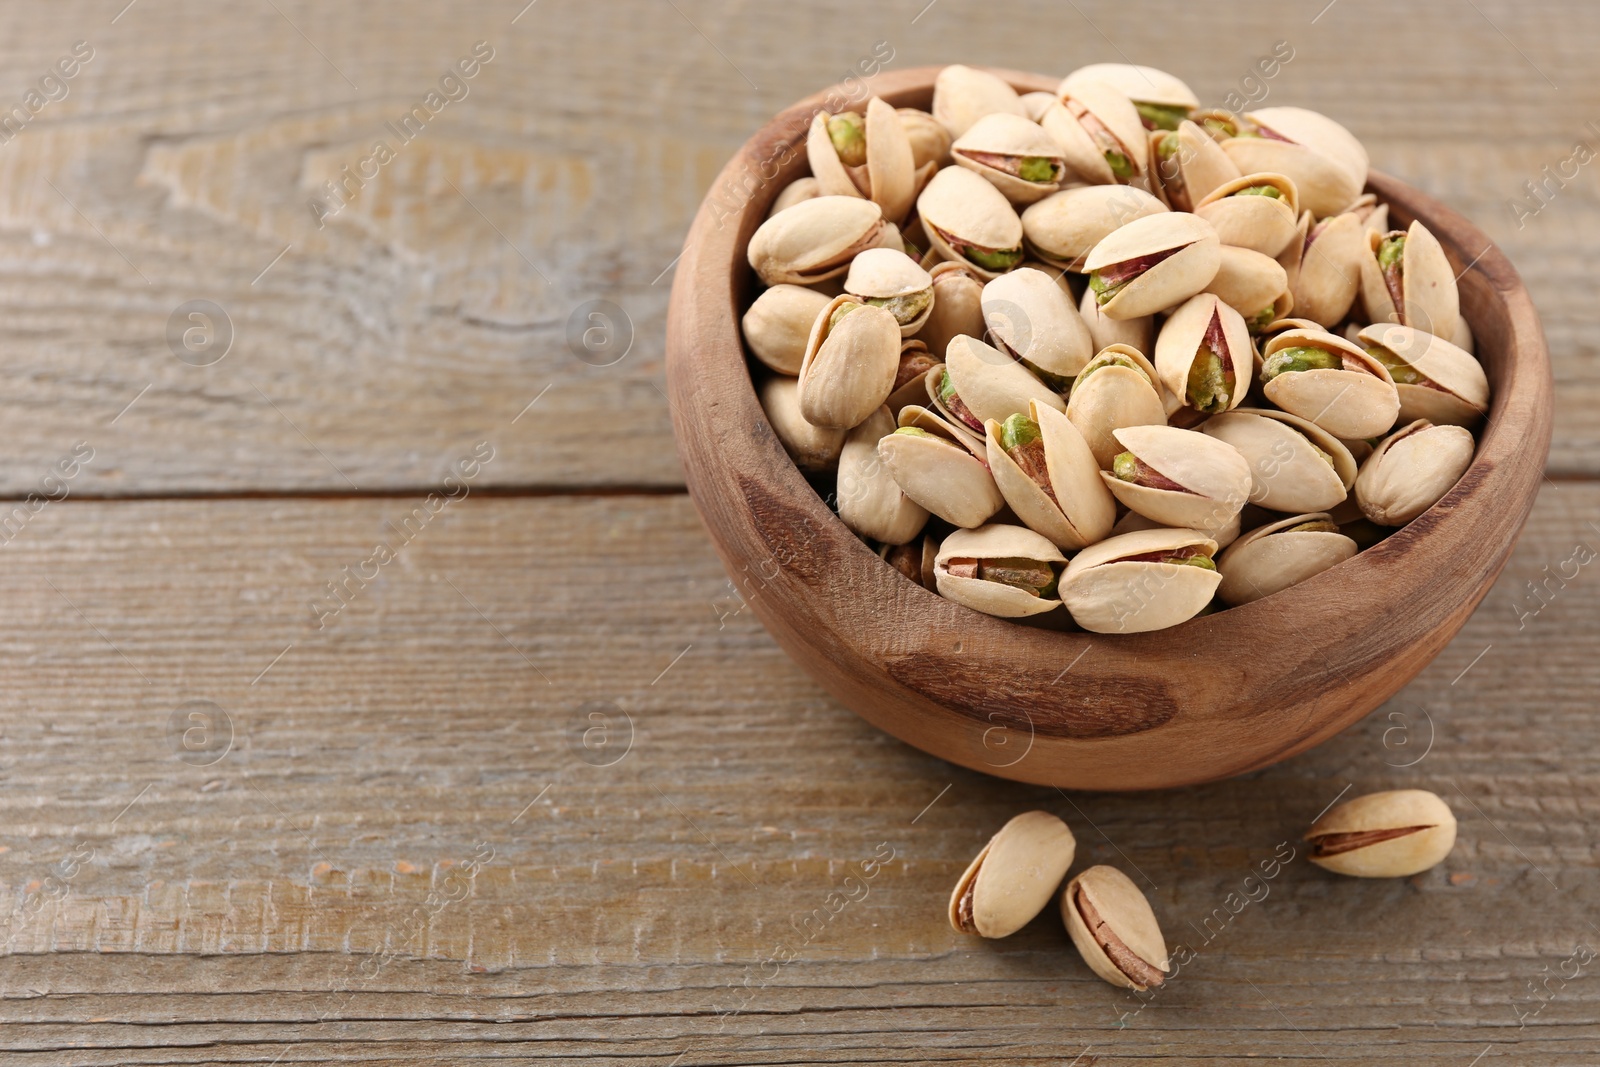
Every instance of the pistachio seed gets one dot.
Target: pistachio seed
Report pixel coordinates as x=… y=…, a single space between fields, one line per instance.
x=848 y=133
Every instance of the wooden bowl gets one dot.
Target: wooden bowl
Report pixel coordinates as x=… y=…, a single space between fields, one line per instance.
x=1216 y=696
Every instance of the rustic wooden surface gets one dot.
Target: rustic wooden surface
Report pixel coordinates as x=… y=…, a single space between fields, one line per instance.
x=407 y=854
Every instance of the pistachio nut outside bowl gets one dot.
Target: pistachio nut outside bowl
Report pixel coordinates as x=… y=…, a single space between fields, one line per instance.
x=1216 y=696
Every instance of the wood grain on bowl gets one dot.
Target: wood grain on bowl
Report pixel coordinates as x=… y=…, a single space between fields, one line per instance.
x=1213 y=697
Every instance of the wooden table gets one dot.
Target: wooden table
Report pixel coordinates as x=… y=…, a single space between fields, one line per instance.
x=527 y=783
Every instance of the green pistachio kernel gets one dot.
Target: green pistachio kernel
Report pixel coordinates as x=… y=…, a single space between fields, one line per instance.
x=996 y=259
x=849 y=136
x=913 y=431
x=1103 y=293
x=947 y=388
x=1169 y=146
x=1161 y=116
x=1109 y=361
x=1209 y=388
x=1299 y=358
x=1036 y=169
x=1402 y=372
x=1125 y=467
x=1030 y=575
x=1018 y=430
x=1224 y=127
x=1314 y=526
x=1119 y=163
x=904 y=308
x=841 y=312
x=1261 y=190
x=1205 y=563
x=1262 y=319
x=1390 y=251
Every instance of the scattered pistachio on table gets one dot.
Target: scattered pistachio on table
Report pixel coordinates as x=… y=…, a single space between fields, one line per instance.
x=1384 y=835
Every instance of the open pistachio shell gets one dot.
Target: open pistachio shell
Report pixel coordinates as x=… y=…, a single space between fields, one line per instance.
x=1224 y=535
x=1153 y=263
x=815 y=239
x=1117 y=388
x=1014 y=154
x=1114 y=929
x=1393 y=834
x=1316 y=131
x=1014 y=877
x=1109 y=589
x=963 y=426
x=1138 y=334
x=963 y=95
x=1436 y=380
x=778 y=325
x=1421 y=277
x=1031 y=318
x=941 y=475
x=1186 y=165
x=1200 y=481
x=851 y=360
x=870 y=501
x=1373 y=215
x=1064 y=228
x=1073 y=509
x=891 y=170
x=957 y=306
x=1101 y=134
x=968 y=221
x=1328 y=274
x=1274 y=557
x=1355 y=400
x=1142 y=85
x=936 y=422
x=1411 y=470
x=991 y=384
x=997 y=543
x=813 y=448
x=1035 y=104
x=1206 y=331
x=893 y=281
x=1246 y=217
x=1326 y=163
x=1254 y=285
x=833 y=176
x=796 y=191
x=930 y=141
x=1295 y=465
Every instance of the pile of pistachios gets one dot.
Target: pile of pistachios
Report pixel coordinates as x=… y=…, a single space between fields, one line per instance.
x=1393 y=834
x=1060 y=349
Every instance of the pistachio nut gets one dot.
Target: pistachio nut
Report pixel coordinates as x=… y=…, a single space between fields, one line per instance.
x=1035 y=104
x=1384 y=835
x=813 y=448
x=957 y=306
x=800 y=189
x=968 y=220
x=980 y=383
x=1186 y=164
x=893 y=281
x=1178 y=477
x=1013 y=154
x=1254 y=285
x=867 y=156
x=851 y=360
x=1255 y=211
x=1140 y=581
x=778 y=325
x=1373 y=215
x=1406 y=278
x=1152 y=264
x=1115 y=929
x=815 y=239
x=1137 y=334
x=1008 y=571
x=1436 y=380
x=1033 y=320
x=1295 y=465
x=911 y=379
x=1329 y=381
x=1325 y=161
x=1117 y=388
x=1162 y=99
x=1324 y=267
x=1045 y=471
x=930 y=141
x=963 y=95
x=940 y=473
x=870 y=500
x=1015 y=875
x=1281 y=554
x=1224 y=535
x=1204 y=355
x=1463 y=336
x=1101 y=134
x=1064 y=228
x=1411 y=470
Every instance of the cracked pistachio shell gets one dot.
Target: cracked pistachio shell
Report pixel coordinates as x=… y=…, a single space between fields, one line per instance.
x=1078 y=510
x=1064 y=228
x=1112 y=110
x=1223 y=535
x=1326 y=163
x=957 y=306
x=1378 y=853
x=849 y=368
x=813 y=448
x=1346 y=403
x=1031 y=318
x=1295 y=466
x=1011 y=137
x=796 y=191
x=1106 y=592
x=884 y=274
x=1250 y=283
x=1411 y=470
x=1429 y=298
x=815 y=239
x=937 y=423
x=998 y=541
x=1125 y=919
x=963 y=95
x=888 y=176
x=778 y=325
x=1109 y=395
x=1187 y=175
x=870 y=500
x=930 y=141
x=1214 y=476
x=1146 y=85
x=959 y=428
x=1035 y=104
x=991 y=384
x=1183 y=335
x=1373 y=215
x=942 y=476
x=1459 y=393
x=1014 y=877
x=1169 y=282
x=1327 y=274
x=1276 y=556
x=1137 y=334
x=1263 y=223
x=960 y=206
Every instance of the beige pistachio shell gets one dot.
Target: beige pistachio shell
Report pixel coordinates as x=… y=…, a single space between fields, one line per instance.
x=1274 y=557
x=957 y=306
x=1112 y=110
x=1014 y=877
x=849 y=368
x=942 y=476
x=813 y=448
x=890 y=278
x=1035 y=104
x=1223 y=535
x=1109 y=395
x=1107 y=592
x=1463 y=336
x=832 y=176
x=1295 y=465
x=1346 y=403
x=796 y=191
x=1009 y=137
x=940 y=424
x=1144 y=84
x=1214 y=476
x=1411 y=470
x=1185 y=333
x=1122 y=916
x=778 y=325
x=1169 y=282
x=1327 y=165
x=1138 y=333
x=1064 y=228
x=998 y=541
x=1029 y=316
x=930 y=141
x=891 y=170
x=1373 y=215
x=1251 y=283
x=815 y=239
x=1429 y=298
x=1328 y=276
x=1379 y=855
x=960 y=429
x=963 y=95
x=870 y=500
x=1188 y=174
x=991 y=384
x=959 y=206
x=1318 y=132
x=1078 y=510
x=1459 y=393
x=1264 y=224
